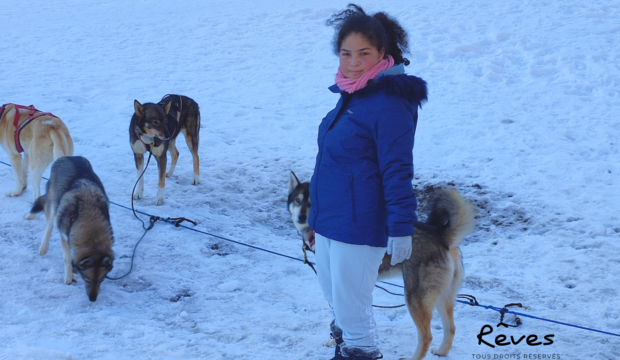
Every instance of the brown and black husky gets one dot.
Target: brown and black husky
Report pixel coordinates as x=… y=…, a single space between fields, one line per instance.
x=76 y=202
x=154 y=128
x=434 y=272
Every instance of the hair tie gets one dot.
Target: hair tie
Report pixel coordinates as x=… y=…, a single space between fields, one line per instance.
x=407 y=62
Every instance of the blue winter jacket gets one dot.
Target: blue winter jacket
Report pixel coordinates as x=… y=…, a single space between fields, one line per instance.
x=361 y=190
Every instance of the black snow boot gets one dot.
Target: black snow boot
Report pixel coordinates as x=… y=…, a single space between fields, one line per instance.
x=343 y=352
x=351 y=353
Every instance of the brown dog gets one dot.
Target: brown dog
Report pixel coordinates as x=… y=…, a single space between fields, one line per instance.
x=42 y=137
x=434 y=272
x=154 y=128
x=76 y=202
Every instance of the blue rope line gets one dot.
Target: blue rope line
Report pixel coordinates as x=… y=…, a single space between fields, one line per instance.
x=384 y=282
x=209 y=234
x=517 y=313
x=539 y=318
x=188 y=228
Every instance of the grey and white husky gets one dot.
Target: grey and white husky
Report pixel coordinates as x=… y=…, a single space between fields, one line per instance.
x=434 y=272
x=298 y=205
x=76 y=202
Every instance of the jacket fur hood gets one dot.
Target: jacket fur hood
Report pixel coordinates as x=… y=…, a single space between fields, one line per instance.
x=408 y=87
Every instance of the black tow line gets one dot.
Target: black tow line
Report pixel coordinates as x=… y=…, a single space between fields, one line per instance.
x=473 y=302
x=391 y=293
x=152 y=220
x=503 y=312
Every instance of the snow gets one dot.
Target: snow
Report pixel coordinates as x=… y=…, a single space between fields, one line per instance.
x=522 y=118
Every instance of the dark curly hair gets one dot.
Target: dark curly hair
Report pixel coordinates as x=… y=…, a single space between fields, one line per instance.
x=381 y=30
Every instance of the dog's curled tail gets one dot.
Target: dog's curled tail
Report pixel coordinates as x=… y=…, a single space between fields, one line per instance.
x=454 y=215
x=37 y=207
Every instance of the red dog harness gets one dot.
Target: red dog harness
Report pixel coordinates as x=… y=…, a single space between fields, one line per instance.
x=33 y=114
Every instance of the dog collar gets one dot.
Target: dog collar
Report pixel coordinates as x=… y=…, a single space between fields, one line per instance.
x=142 y=141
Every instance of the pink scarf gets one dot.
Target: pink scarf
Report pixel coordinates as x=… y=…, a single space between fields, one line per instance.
x=352 y=85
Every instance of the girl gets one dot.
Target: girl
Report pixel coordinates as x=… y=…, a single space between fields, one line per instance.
x=361 y=190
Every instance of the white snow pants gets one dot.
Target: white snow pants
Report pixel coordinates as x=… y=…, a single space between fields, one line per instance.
x=347 y=275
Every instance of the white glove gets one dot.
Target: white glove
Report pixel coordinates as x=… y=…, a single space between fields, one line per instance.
x=400 y=248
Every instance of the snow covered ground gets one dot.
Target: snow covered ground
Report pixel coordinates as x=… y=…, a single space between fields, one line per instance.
x=523 y=118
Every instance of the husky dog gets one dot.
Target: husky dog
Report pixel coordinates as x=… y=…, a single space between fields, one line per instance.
x=77 y=203
x=298 y=205
x=434 y=272
x=42 y=137
x=154 y=128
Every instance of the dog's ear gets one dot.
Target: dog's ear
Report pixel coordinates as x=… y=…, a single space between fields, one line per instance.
x=86 y=263
x=167 y=107
x=138 y=108
x=293 y=181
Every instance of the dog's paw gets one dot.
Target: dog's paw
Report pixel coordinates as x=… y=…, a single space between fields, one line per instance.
x=196 y=180
x=43 y=249
x=137 y=196
x=168 y=174
x=30 y=216
x=14 y=193
x=160 y=202
x=329 y=342
x=440 y=352
x=69 y=279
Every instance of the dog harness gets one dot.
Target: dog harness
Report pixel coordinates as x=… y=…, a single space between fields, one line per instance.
x=33 y=114
x=177 y=104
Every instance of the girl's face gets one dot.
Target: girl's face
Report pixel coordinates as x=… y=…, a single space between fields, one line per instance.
x=358 y=55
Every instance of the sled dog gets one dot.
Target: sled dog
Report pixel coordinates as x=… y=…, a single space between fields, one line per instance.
x=77 y=204
x=42 y=137
x=154 y=128
x=434 y=272
x=298 y=205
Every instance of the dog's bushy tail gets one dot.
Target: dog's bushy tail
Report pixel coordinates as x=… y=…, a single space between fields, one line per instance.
x=454 y=215
x=38 y=205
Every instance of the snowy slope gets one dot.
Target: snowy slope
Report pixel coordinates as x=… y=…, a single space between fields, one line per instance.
x=522 y=118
